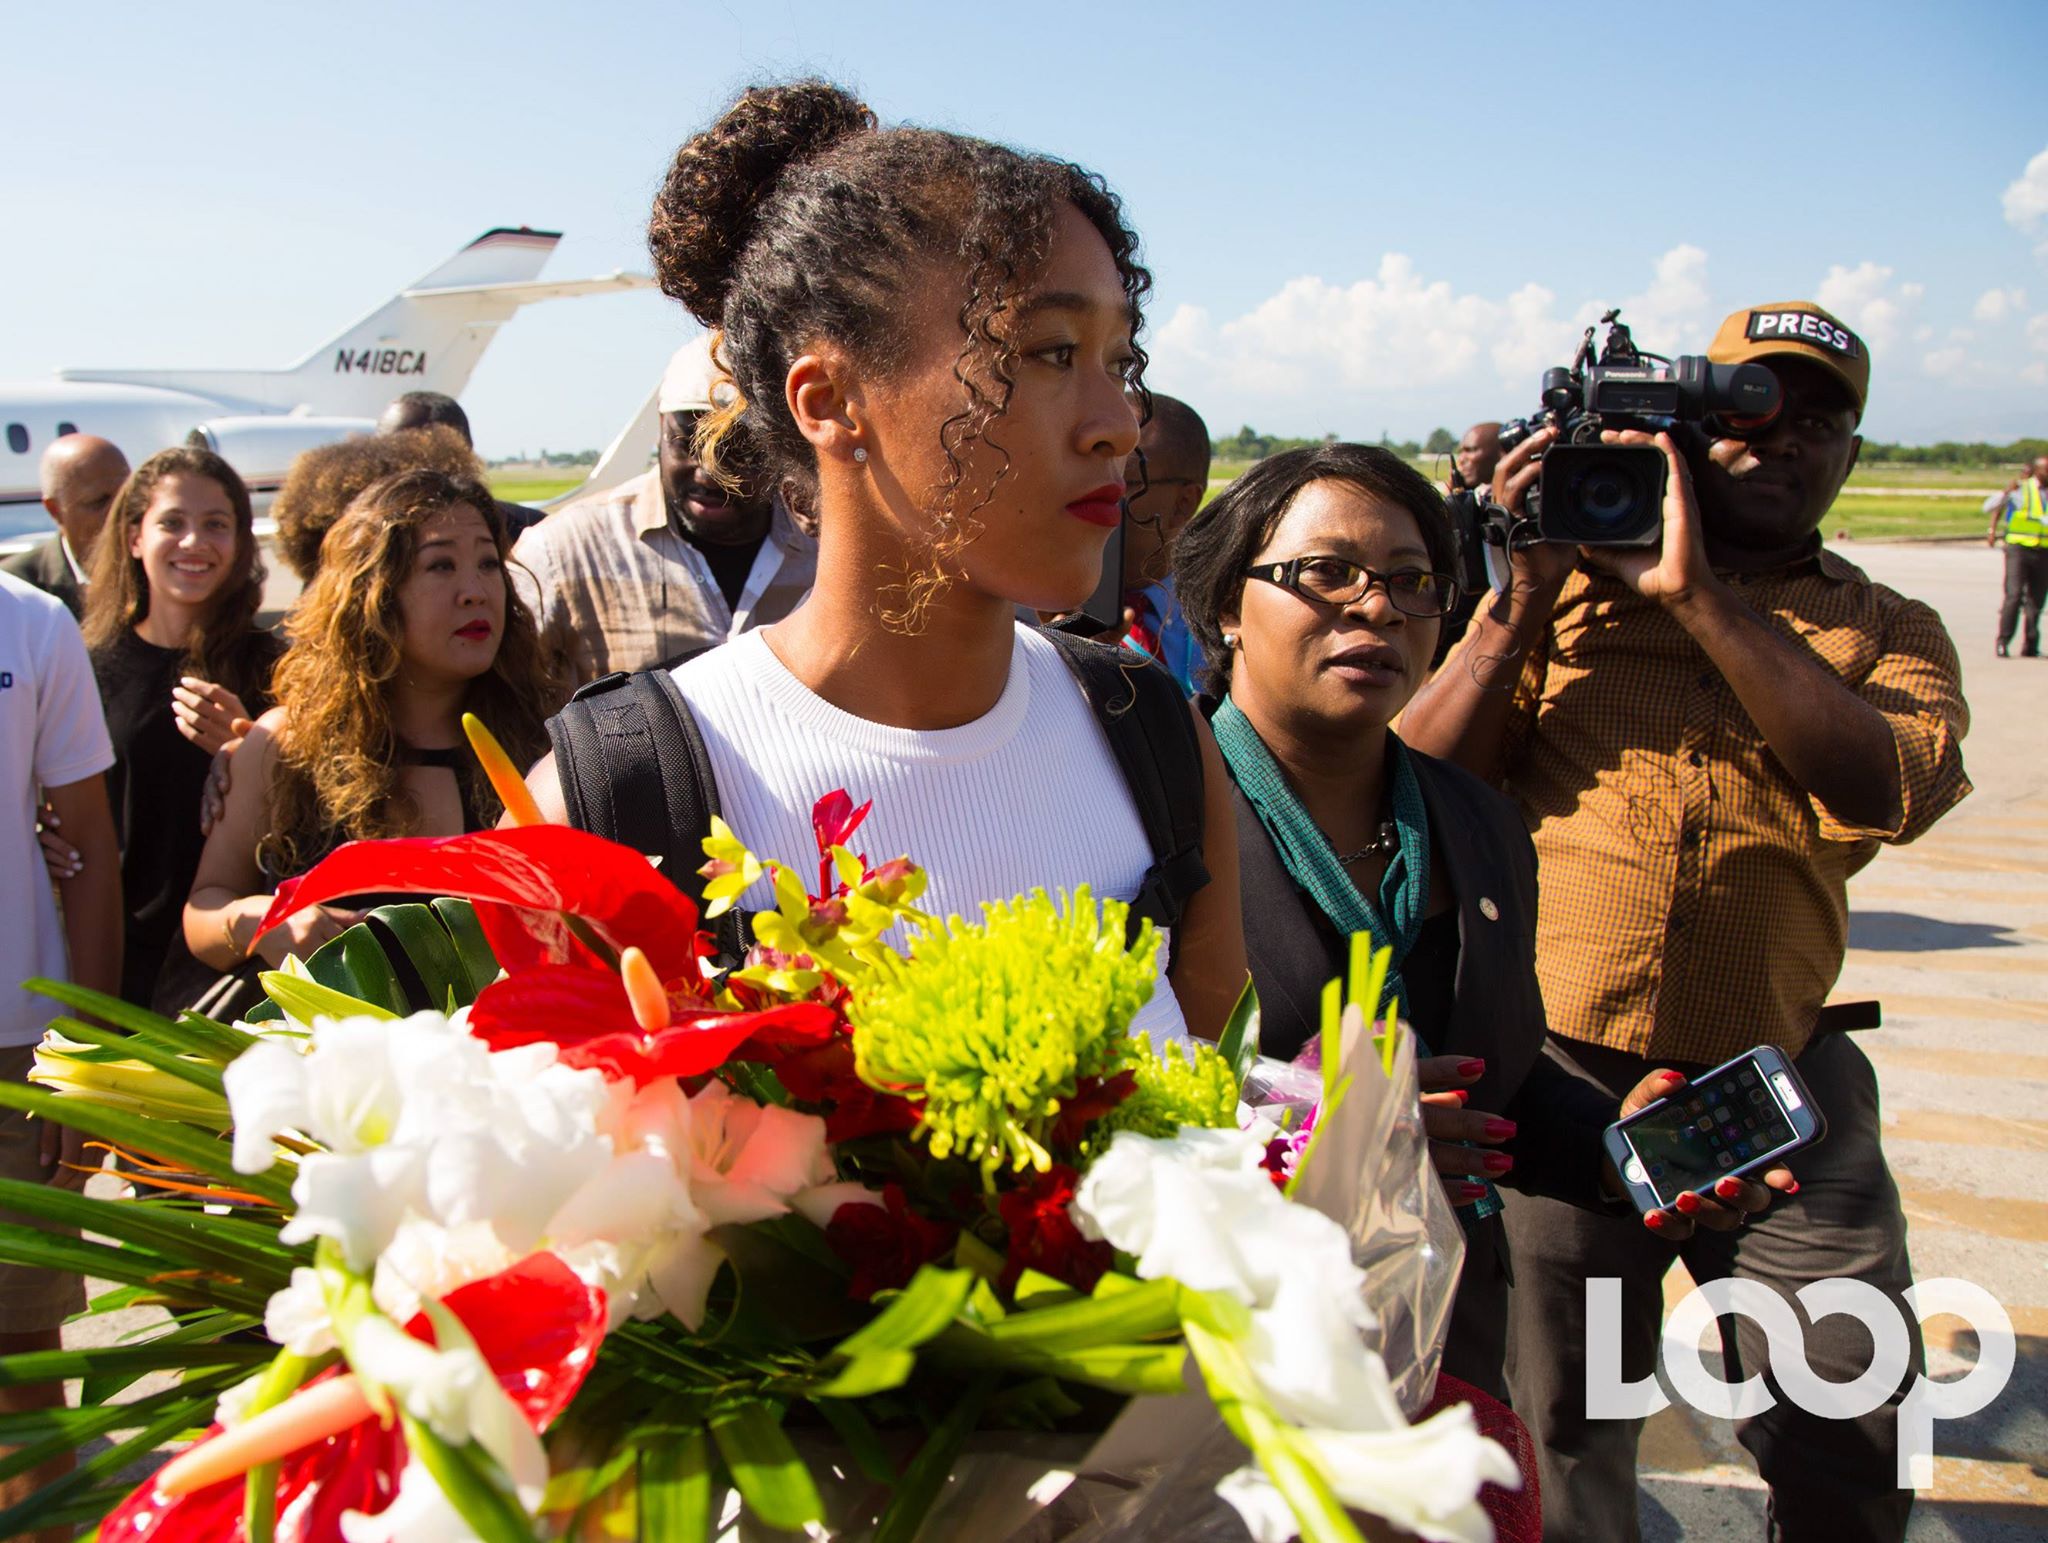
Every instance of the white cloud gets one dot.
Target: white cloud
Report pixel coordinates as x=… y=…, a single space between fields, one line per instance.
x=2037 y=333
x=1400 y=330
x=2026 y=200
x=1867 y=299
x=1945 y=363
x=1672 y=314
x=1995 y=304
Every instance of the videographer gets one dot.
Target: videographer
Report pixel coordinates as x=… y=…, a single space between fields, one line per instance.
x=1707 y=737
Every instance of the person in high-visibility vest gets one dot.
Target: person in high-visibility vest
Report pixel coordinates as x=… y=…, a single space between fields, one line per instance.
x=2023 y=515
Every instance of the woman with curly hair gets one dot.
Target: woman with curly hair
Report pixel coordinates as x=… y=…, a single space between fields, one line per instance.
x=932 y=339
x=171 y=624
x=408 y=624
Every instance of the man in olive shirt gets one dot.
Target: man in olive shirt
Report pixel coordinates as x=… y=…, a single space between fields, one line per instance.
x=1707 y=740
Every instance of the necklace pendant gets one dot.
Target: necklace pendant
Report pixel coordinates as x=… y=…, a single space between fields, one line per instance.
x=1387 y=841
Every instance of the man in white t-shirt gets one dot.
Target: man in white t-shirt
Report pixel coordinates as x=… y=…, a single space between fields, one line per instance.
x=53 y=738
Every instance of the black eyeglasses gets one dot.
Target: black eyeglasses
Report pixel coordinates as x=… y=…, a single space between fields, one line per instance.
x=1335 y=581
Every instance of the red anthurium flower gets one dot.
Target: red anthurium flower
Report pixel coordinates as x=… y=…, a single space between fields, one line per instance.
x=885 y=1243
x=1043 y=1236
x=585 y=1013
x=825 y=1075
x=536 y=1325
x=522 y=881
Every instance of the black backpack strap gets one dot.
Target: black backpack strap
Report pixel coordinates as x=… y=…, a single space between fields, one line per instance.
x=633 y=769
x=1151 y=733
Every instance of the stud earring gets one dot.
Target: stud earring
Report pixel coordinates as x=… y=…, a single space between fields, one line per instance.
x=860 y=454
x=1230 y=640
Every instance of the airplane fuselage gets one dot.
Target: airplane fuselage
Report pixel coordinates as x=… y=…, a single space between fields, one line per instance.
x=143 y=420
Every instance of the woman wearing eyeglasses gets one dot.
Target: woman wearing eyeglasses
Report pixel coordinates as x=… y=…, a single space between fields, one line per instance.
x=1316 y=586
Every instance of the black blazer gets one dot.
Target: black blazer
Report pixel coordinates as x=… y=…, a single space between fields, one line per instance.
x=1478 y=839
x=44 y=566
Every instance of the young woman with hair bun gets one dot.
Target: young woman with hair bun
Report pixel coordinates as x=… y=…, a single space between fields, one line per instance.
x=932 y=340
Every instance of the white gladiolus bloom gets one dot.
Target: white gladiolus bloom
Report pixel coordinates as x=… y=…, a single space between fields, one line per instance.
x=1198 y=1208
x=296 y=1316
x=453 y=1392
x=1425 y=1479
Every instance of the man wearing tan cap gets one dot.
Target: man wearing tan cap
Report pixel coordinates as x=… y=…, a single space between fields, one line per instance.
x=672 y=561
x=1707 y=740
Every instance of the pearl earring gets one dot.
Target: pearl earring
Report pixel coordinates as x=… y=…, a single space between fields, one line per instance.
x=860 y=454
x=1230 y=640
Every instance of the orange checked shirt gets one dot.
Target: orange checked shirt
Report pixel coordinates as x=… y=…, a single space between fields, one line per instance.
x=1694 y=899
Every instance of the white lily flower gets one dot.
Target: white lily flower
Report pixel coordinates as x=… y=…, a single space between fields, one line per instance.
x=296 y=1316
x=747 y=1159
x=1425 y=1479
x=635 y=1231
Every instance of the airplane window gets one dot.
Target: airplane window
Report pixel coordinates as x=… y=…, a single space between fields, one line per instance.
x=66 y=428
x=17 y=438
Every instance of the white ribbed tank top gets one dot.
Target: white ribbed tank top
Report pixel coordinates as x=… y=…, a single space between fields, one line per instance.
x=1027 y=796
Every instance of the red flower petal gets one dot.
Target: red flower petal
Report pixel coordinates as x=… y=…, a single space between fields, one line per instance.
x=885 y=1244
x=825 y=1075
x=536 y=1325
x=521 y=879
x=834 y=819
x=584 y=1012
x=1044 y=1237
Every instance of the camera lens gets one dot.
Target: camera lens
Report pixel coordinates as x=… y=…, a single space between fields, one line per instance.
x=1602 y=495
x=1608 y=498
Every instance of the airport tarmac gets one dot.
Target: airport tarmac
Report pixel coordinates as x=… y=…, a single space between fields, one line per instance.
x=1951 y=934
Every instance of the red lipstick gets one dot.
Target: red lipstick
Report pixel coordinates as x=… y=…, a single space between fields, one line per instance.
x=475 y=631
x=1100 y=506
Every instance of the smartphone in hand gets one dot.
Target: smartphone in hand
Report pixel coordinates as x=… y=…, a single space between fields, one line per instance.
x=1737 y=1120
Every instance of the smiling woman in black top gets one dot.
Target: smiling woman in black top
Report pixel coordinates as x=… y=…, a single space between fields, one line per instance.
x=171 y=623
x=1316 y=585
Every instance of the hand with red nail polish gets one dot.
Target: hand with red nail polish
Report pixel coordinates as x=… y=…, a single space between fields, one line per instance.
x=1458 y=1134
x=1733 y=1200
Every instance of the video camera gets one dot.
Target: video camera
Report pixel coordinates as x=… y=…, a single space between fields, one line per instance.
x=1593 y=494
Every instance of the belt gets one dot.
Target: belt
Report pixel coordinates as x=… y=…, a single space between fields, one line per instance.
x=1847 y=1018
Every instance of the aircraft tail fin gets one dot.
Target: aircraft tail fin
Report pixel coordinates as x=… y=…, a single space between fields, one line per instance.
x=428 y=337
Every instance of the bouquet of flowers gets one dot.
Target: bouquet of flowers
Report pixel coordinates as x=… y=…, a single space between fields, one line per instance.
x=624 y=1247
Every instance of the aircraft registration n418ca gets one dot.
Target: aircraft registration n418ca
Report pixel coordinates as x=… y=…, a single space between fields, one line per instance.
x=428 y=337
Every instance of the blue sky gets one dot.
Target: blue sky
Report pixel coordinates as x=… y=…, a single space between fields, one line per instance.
x=1361 y=218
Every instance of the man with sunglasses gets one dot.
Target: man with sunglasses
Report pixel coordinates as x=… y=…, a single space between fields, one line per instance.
x=1707 y=740
x=1167 y=476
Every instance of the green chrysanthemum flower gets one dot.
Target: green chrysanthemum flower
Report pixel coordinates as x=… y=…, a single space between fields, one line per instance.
x=1174 y=1089
x=991 y=1025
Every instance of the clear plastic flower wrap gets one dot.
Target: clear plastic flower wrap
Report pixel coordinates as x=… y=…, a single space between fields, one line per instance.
x=1373 y=1176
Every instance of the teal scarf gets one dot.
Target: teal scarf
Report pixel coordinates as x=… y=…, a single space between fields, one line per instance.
x=1393 y=918
x=1403 y=899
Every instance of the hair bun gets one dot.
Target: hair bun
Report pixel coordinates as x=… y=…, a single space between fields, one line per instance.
x=711 y=199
